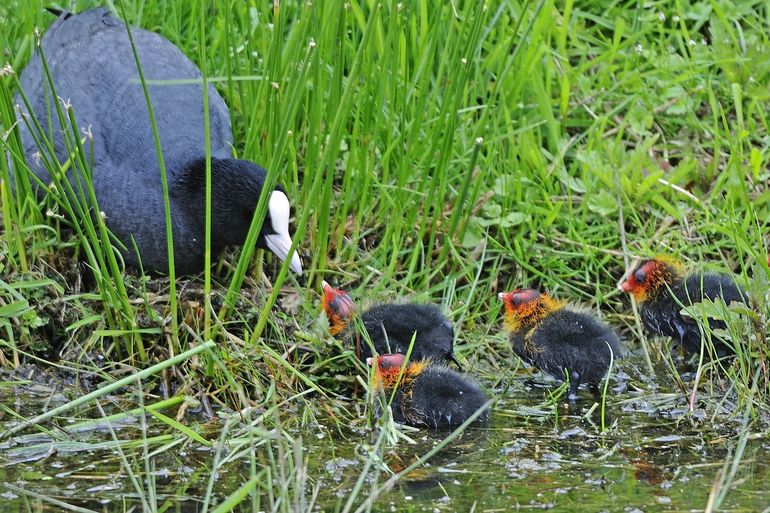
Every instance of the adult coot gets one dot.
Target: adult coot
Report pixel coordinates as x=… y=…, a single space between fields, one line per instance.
x=93 y=69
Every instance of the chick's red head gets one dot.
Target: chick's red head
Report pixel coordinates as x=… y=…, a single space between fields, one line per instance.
x=650 y=277
x=388 y=369
x=526 y=307
x=338 y=306
x=390 y=361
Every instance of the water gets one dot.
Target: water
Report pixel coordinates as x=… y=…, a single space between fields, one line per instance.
x=656 y=456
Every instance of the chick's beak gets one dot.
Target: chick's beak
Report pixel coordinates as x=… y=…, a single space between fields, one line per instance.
x=625 y=286
x=452 y=358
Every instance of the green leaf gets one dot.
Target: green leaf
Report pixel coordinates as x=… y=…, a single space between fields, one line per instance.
x=492 y=210
x=505 y=185
x=474 y=232
x=512 y=219
x=573 y=183
x=756 y=163
x=83 y=322
x=602 y=203
x=179 y=427
x=14 y=309
x=591 y=159
x=639 y=119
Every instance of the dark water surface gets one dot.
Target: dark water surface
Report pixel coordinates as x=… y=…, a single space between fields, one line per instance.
x=656 y=455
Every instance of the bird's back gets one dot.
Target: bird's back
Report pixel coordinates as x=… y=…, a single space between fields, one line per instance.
x=92 y=66
x=392 y=326
x=566 y=327
x=694 y=289
x=711 y=286
x=93 y=69
x=445 y=398
x=574 y=340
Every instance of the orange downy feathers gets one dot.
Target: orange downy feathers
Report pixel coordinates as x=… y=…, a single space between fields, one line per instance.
x=388 y=370
x=526 y=308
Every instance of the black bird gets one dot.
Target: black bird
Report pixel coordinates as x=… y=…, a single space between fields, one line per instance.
x=428 y=394
x=558 y=339
x=661 y=289
x=391 y=327
x=93 y=69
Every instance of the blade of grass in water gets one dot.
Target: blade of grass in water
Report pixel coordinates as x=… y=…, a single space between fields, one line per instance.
x=207 y=144
x=164 y=184
x=106 y=390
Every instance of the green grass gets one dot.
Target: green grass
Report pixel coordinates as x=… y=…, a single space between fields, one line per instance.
x=438 y=150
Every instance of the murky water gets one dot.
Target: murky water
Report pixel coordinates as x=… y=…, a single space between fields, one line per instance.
x=656 y=456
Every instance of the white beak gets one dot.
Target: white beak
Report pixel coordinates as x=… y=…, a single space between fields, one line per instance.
x=280 y=241
x=279 y=244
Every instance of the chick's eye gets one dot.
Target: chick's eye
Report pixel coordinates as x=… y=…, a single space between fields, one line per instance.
x=335 y=304
x=639 y=276
x=515 y=300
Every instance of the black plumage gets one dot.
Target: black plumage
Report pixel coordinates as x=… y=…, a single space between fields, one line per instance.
x=559 y=340
x=430 y=394
x=92 y=67
x=662 y=291
x=391 y=328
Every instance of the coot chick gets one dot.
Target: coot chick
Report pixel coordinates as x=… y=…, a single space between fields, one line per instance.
x=428 y=394
x=558 y=339
x=661 y=289
x=392 y=326
x=93 y=68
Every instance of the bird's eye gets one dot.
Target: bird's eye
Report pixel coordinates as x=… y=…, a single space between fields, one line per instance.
x=516 y=300
x=336 y=304
x=342 y=305
x=640 y=276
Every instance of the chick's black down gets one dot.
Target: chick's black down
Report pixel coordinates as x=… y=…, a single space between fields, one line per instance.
x=566 y=339
x=661 y=314
x=392 y=326
x=439 y=398
x=93 y=69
